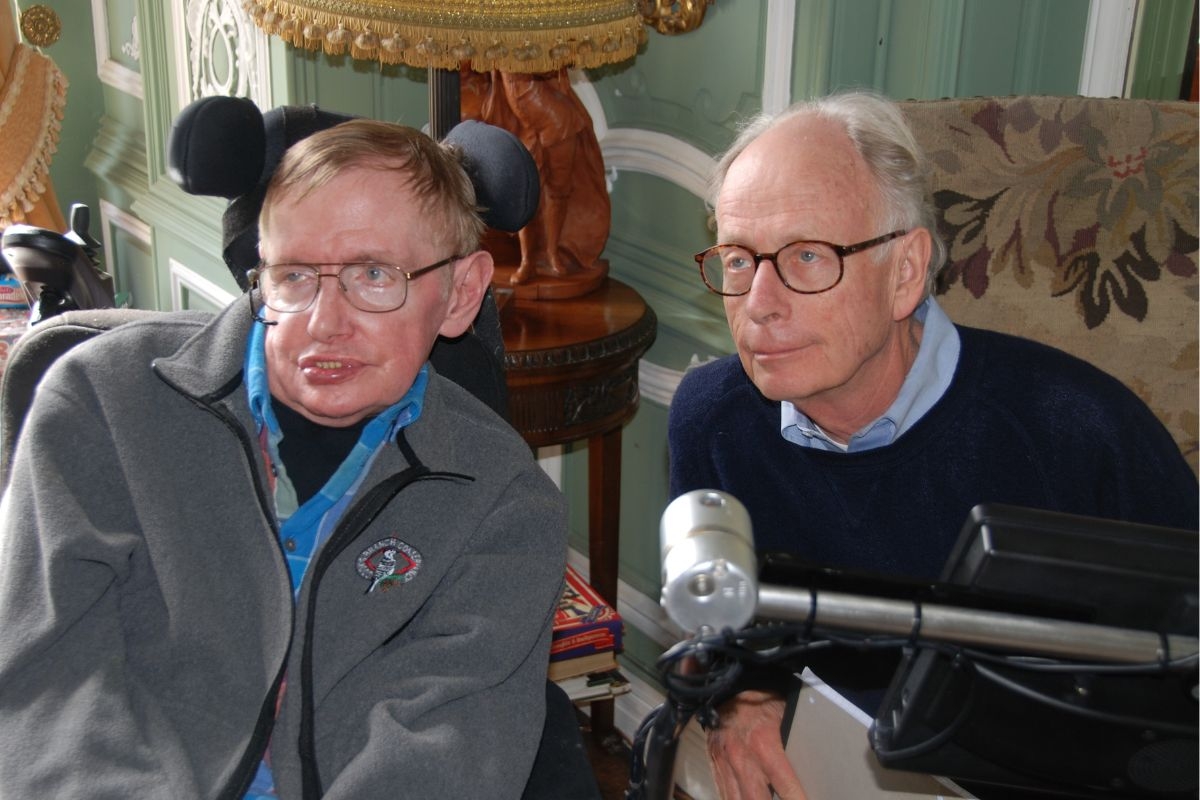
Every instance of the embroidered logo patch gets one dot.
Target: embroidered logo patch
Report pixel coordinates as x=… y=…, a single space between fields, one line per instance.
x=388 y=562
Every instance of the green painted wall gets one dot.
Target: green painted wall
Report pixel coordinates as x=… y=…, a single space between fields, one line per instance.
x=1160 y=42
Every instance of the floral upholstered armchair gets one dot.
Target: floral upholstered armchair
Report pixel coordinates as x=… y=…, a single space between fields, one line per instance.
x=1073 y=221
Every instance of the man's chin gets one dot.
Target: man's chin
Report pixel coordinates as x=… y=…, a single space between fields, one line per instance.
x=780 y=387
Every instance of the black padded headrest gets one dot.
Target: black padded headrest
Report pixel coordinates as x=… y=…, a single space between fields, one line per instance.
x=224 y=147
x=216 y=147
x=504 y=173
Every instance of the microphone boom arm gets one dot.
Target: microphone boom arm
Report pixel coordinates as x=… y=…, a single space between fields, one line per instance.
x=965 y=626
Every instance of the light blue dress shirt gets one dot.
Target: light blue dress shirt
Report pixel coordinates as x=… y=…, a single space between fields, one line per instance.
x=926 y=382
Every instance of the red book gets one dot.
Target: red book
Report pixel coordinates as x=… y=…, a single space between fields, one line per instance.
x=583 y=623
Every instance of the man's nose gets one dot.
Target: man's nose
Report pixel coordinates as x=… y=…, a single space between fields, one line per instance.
x=330 y=308
x=768 y=296
x=766 y=276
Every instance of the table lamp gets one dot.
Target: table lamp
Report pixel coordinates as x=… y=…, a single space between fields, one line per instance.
x=506 y=61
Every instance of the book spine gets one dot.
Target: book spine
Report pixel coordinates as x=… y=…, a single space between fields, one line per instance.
x=571 y=643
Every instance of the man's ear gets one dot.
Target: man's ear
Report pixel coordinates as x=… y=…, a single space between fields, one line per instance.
x=469 y=282
x=911 y=273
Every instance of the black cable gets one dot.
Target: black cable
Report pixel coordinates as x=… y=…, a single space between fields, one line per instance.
x=811 y=620
x=1051 y=665
x=732 y=645
x=721 y=657
x=1100 y=716
x=941 y=737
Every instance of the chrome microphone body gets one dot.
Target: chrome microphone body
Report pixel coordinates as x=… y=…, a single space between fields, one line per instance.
x=710 y=572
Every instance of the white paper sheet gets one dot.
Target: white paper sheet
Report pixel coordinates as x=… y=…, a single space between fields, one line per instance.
x=828 y=746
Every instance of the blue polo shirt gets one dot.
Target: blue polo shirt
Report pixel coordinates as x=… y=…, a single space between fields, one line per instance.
x=926 y=382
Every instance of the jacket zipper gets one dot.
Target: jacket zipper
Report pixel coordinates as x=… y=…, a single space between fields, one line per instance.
x=357 y=519
x=243 y=775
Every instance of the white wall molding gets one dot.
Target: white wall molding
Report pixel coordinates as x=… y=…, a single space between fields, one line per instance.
x=639 y=150
x=1106 y=47
x=111 y=72
x=550 y=459
x=184 y=278
x=591 y=101
x=111 y=215
x=658 y=383
x=777 y=56
x=660 y=155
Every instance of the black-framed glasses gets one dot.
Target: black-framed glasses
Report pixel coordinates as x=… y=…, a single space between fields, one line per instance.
x=806 y=266
x=371 y=287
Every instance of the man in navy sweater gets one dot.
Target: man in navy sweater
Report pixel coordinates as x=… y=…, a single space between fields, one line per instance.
x=857 y=424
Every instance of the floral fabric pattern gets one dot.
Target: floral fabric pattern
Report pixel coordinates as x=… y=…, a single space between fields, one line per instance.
x=1073 y=221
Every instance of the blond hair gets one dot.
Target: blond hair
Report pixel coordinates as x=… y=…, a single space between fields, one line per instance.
x=434 y=172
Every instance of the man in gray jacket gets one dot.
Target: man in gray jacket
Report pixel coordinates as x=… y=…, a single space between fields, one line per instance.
x=273 y=553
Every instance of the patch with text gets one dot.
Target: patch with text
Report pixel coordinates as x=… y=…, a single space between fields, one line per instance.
x=388 y=562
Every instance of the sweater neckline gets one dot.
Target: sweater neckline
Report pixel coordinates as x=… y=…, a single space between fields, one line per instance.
x=952 y=405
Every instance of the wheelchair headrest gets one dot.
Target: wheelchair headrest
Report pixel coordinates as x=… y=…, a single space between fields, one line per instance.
x=225 y=147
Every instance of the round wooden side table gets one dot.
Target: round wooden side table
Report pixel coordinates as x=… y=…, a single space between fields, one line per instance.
x=572 y=372
x=571 y=367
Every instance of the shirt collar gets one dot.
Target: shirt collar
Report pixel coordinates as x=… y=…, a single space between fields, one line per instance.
x=927 y=380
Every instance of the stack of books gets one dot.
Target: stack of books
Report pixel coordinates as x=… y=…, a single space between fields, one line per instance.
x=586 y=640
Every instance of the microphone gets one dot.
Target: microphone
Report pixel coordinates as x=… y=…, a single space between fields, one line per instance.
x=254 y=314
x=709 y=570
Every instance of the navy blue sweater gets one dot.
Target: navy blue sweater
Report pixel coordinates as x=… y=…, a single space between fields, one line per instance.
x=1021 y=423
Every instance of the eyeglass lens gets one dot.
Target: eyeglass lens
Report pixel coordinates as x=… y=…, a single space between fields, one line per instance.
x=368 y=287
x=803 y=266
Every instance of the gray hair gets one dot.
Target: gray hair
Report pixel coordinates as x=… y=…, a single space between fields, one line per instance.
x=881 y=136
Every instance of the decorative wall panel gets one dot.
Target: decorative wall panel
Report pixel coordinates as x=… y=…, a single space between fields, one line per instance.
x=127 y=253
x=219 y=51
x=191 y=290
x=117 y=66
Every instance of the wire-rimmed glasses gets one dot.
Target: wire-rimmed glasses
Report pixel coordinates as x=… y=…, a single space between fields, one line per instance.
x=806 y=266
x=374 y=288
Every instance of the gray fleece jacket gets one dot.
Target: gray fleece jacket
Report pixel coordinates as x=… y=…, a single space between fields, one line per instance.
x=148 y=634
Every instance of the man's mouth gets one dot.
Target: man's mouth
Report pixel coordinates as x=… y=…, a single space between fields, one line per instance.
x=328 y=369
x=773 y=352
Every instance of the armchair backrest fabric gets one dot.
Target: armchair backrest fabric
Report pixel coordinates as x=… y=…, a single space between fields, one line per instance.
x=1073 y=221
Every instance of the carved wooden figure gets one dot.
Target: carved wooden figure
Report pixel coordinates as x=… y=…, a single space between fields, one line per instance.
x=560 y=248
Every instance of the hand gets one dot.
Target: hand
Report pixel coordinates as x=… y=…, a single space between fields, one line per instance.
x=746 y=750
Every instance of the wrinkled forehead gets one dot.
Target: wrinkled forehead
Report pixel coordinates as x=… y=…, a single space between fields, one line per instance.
x=804 y=150
x=804 y=168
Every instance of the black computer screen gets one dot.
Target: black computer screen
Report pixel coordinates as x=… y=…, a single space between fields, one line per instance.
x=1057 y=728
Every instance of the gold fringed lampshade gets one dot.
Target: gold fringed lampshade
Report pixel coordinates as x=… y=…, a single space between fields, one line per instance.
x=509 y=35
